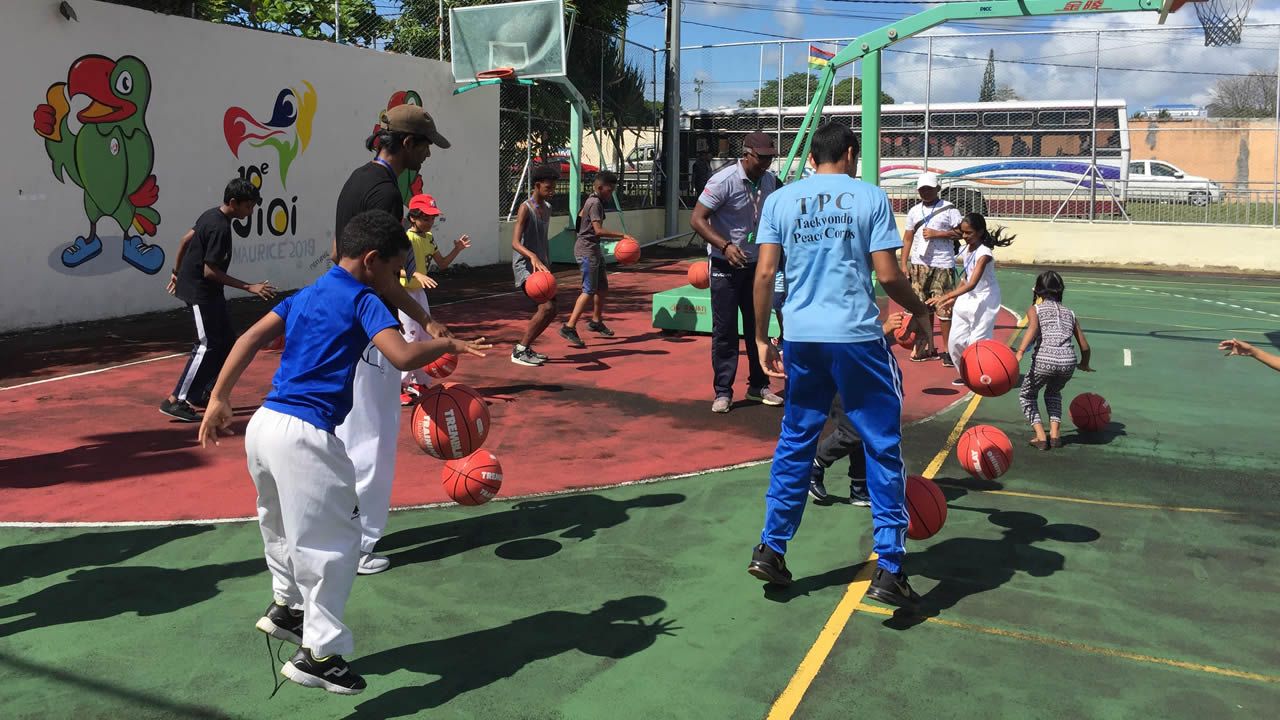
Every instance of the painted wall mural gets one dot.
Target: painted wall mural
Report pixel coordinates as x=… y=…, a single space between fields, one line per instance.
x=105 y=149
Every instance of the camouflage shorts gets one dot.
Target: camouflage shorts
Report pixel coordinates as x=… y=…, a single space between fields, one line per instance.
x=930 y=282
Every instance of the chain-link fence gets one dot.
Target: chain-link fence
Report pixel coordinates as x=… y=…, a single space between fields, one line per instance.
x=1138 y=123
x=621 y=80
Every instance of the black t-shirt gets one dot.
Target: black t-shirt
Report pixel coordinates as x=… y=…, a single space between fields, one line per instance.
x=211 y=245
x=371 y=186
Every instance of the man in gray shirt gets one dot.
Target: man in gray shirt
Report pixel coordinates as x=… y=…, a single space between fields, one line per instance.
x=726 y=216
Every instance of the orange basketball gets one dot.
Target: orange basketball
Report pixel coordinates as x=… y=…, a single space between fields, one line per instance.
x=541 y=286
x=989 y=368
x=474 y=480
x=700 y=275
x=926 y=508
x=1090 y=412
x=905 y=336
x=627 y=251
x=450 y=422
x=442 y=367
x=985 y=452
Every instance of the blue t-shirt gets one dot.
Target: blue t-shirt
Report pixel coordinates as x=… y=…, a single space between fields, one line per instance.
x=327 y=327
x=828 y=226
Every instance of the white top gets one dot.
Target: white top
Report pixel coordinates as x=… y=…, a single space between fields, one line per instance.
x=939 y=252
x=987 y=285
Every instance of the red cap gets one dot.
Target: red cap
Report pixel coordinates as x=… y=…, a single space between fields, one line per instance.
x=424 y=204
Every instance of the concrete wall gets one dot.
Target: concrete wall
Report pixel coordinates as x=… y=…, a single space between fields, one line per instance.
x=189 y=81
x=1174 y=247
x=1228 y=151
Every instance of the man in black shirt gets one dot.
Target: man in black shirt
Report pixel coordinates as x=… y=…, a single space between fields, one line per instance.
x=402 y=141
x=198 y=278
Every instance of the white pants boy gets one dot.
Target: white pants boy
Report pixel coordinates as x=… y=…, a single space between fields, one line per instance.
x=414 y=332
x=369 y=434
x=973 y=318
x=308 y=517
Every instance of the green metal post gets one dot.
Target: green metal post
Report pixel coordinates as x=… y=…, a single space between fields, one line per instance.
x=871 y=118
x=825 y=82
x=800 y=146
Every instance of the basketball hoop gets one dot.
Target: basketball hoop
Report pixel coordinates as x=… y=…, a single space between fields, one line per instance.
x=1222 y=20
x=502 y=73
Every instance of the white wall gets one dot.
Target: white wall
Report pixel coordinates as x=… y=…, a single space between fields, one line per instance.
x=197 y=72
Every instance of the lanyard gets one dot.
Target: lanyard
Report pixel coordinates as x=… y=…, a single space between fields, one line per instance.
x=757 y=204
x=386 y=165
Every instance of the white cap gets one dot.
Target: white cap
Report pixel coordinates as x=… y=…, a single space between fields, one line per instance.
x=928 y=179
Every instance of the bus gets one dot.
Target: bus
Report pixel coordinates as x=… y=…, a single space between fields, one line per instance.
x=1004 y=158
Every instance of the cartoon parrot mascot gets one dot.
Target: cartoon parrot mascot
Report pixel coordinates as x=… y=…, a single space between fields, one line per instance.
x=410 y=182
x=110 y=156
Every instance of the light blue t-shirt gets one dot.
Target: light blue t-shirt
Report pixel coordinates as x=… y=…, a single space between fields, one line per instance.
x=327 y=327
x=828 y=226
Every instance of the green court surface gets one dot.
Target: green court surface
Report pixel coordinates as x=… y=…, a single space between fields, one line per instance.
x=1128 y=574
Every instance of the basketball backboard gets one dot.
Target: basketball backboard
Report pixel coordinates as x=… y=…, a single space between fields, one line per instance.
x=526 y=36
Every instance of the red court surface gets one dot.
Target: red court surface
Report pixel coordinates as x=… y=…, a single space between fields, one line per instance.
x=635 y=406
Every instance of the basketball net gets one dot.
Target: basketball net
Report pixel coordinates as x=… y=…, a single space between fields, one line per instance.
x=1222 y=20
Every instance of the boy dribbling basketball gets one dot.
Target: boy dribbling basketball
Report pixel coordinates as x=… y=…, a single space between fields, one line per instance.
x=531 y=253
x=595 y=281
x=307 y=506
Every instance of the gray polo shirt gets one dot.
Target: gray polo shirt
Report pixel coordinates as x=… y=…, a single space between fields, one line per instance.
x=735 y=204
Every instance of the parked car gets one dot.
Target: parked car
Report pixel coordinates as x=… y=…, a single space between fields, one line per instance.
x=640 y=160
x=1159 y=180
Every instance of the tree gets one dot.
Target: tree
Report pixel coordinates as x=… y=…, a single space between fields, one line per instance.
x=359 y=22
x=1247 y=96
x=987 y=92
x=796 y=92
x=1006 y=93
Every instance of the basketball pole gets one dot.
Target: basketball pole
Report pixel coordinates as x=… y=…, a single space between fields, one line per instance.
x=868 y=48
x=671 y=129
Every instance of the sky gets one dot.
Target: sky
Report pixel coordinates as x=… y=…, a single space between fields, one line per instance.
x=1141 y=66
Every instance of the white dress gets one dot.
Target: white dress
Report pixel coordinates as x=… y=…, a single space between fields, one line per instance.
x=973 y=317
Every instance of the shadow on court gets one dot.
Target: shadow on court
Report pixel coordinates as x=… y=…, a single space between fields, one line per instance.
x=967 y=566
x=97 y=548
x=105 y=592
x=575 y=517
x=475 y=660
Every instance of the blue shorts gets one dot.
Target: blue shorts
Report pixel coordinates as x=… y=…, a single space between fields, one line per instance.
x=594 y=277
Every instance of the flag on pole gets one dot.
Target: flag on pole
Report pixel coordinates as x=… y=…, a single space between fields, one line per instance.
x=821 y=54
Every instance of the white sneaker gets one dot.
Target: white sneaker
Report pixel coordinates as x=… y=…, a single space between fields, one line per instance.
x=765 y=396
x=721 y=405
x=371 y=564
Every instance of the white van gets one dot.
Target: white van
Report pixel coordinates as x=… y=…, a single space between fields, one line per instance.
x=1159 y=180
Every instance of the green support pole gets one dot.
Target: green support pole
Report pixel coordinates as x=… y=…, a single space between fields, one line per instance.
x=816 y=104
x=871 y=118
x=575 y=160
x=806 y=133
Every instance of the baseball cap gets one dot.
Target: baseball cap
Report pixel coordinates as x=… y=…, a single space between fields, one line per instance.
x=424 y=204
x=928 y=179
x=760 y=143
x=413 y=119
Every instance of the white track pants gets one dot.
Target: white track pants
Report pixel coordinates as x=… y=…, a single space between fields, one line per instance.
x=369 y=434
x=307 y=514
x=414 y=332
x=973 y=318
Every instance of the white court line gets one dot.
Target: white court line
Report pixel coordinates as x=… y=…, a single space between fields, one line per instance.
x=1183 y=297
x=1128 y=358
x=92 y=372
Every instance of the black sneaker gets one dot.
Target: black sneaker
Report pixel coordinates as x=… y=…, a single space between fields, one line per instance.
x=281 y=623
x=892 y=589
x=946 y=360
x=599 y=328
x=331 y=673
x=817 y=490
x=858 y=492
x=180 y=410
x=572 y=336
x=769 y=566
x=524 y=357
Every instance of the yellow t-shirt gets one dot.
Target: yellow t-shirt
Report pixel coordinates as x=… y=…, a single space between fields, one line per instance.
x=424 y=248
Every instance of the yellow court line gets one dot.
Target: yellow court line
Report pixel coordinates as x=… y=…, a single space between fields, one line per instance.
x=785 y=706
x=1082 y=647
x=1128 y=505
